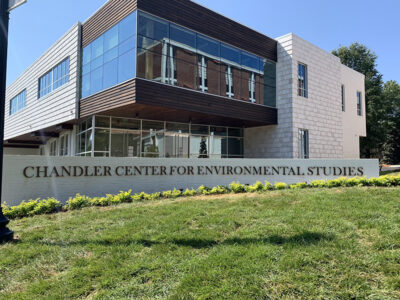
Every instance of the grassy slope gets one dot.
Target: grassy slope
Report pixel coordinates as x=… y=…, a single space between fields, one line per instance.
x=339 y=243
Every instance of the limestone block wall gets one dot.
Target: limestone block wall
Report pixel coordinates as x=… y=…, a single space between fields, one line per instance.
x=276 y=141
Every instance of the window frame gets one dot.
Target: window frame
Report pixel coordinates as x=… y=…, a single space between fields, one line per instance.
x=303 y=143
x=302 y=81
x=343 y=98
x=51 y=81
x=17 y=100
x=359 y=104
x=53 y=148
x=64 y=145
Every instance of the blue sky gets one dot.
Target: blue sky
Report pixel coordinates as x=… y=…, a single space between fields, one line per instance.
x=35 y=26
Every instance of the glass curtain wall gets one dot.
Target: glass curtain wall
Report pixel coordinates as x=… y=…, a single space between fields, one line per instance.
x=123 y=137
x=174 y=55
x=148 y=47
x=111 y=58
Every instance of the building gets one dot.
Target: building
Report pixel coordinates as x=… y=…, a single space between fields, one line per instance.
x=138 y=79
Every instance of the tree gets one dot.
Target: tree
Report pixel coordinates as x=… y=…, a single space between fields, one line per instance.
x=391 y=147
x=203 y=153
x=363 y=60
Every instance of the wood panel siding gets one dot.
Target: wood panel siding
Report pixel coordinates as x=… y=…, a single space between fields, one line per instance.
x=186 y=13
x=196 y=17
x=161 y=95
x=120 y=95
x=151 y=100
x=105 y=18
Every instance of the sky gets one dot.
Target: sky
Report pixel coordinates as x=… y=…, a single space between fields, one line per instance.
x=329 y=24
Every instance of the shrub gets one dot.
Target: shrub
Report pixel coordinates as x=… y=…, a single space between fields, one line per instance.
x=280 y=186
x=218 y=190
x=22 y=210
x=124 y=197
x=394 y=180
x=113 y=199
x=77 y=202
x=46 y=206
x=99 y=201
x=257 y=187
x=155 y=196
x=172 y=194
x=203 y=190
x=341 y=181
x=237 y=187
x=354 y=181
x=318 y=183
x=143 y=197
x=381 y=181
x=268 y=186
x=299 y=185
x=189 y=193
x=31 y=208
x=363 y=181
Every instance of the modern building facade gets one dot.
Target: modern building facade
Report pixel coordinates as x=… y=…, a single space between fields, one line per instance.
x=139 y=79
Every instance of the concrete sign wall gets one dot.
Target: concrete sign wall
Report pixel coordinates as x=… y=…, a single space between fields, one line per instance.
x=30 y=177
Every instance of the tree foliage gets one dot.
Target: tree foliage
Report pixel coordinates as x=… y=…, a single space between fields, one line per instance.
x=391 y=147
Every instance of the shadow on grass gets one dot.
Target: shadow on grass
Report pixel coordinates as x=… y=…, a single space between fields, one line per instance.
x=303 y=239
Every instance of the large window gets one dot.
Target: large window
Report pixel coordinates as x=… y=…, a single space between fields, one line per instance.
x=174 y=55
x=359 y=104
x=303 y=144
x=124 y=137
x=53 y=79
x=18 y=102
x=302 y=81
x=111 y=58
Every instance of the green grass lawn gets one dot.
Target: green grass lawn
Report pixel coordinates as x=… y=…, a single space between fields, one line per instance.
x=307 y=244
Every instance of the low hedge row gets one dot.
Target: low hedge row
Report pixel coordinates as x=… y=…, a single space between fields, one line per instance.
x=51 y=205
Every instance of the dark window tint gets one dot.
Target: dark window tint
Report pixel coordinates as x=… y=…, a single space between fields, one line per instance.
x=208 y=46
x=229 y=53
x=183 y=36
x=152 y=27
x=250 y=61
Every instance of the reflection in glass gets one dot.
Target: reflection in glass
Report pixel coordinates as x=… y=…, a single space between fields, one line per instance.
x=102 y=140
x=174 y=55
x=152 y=144
x=125 y=143
x=111 y=38
x=235 y=147
x=199 y=146
x=209 y=46
x=127 y=27
x=102 y=122
x=97 y=48
x=124 y=123
x=218 y=147
x=230 y=54
x=152 y=27
x=111 y=58
x=182 y=36
x=129 y=137
x=110 y=77
x=126 y=66
x=176 y=145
